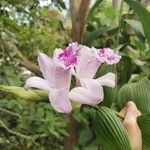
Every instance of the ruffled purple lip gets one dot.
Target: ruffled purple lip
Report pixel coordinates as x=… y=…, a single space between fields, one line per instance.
x=107 y=55
x=69 y=55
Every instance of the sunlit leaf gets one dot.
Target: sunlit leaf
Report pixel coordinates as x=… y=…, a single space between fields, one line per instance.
x=143 y=14
x=97 y=3
x=33 y=95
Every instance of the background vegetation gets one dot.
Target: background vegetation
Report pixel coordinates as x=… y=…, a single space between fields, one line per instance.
x=28 y=27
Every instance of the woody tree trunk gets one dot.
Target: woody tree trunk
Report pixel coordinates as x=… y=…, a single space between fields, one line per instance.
x=78 y=11
x=116 y=4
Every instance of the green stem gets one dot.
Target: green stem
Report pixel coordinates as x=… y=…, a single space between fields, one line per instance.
x=10 y=112
x=119 y=20
x=13 y=132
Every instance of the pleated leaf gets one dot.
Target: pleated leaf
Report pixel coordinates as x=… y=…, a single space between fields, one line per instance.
x=110 y=94
x=32 y=95
x=110 y=131
x=138 y=92
x=144 y=124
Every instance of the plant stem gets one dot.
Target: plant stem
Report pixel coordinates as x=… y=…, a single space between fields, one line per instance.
x=73 y=133
x=10 y=112
x=13 y=132
x=119 y=24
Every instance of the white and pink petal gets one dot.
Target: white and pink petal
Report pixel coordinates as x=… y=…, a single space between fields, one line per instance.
x=53 y=73
x=94 y=86
x=108 y=79
x=108 y=55
x=60 y=101
x=37 y=82
x=84 y=96
x=62 y=77
x=47 y=67
x=88 y=63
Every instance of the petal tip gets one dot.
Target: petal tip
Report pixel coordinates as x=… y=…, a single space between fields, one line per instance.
x=27 y=85
x=64 y=111
x=41 y=55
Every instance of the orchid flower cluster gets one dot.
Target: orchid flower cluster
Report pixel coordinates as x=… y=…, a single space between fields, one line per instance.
x=79 y=61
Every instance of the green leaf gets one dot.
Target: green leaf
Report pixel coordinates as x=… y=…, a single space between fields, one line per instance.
x=135 y=25
x=144 y=16
x=138 y=92
x=10 y=24
x=93 y=35
x=97 y=3
x=110 y=130
x=105 y=69
x=39 y=113
x=33 y=95
x=16 y=2
x=137 y=28
x=124 y=69
x=144 y=124
x=85 y=136
x=110 y=13
x=110 y=94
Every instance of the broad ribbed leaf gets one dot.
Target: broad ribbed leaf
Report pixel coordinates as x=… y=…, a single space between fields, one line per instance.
x=110 y=130
x=33 y=95
x=144 y=124
x=138 y=92
x=144 y=16
x=110 y=94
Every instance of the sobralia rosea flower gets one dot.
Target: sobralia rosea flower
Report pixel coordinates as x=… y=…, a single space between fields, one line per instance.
x=90 y=90
x=57 y=77
x=80 y=61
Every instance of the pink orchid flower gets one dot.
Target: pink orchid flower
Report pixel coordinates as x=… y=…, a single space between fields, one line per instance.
x=57 y=77
x=91 y=90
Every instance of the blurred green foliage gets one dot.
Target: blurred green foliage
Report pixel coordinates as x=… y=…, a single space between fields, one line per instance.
x=35 y=27
x=31 y=28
